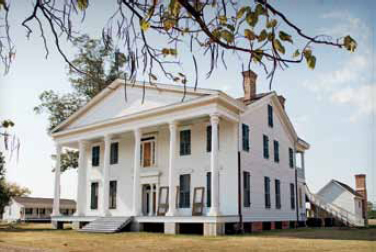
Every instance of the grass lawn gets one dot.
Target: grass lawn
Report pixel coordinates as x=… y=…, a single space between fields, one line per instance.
x=39 y=237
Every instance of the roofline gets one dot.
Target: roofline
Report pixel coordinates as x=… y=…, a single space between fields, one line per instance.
x=336 y=182
x=210 y=98
x=156 y=86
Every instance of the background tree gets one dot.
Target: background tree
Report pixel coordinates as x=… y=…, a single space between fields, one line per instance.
x=102 y=63
x=255 y=30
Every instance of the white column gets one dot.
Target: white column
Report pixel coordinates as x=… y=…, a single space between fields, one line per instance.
x=56 y=206
x=81 y=180
x=157 y=198
x=171 y=178
x=151 y=192
x=136 y=173
x=106 y=175
x=214 y=210
x=302 y=161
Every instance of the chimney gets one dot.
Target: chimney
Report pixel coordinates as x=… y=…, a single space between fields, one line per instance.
x=361 y=188
x=282 y=100
x=249 y=85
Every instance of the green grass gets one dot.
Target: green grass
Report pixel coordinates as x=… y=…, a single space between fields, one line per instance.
x=23 y=237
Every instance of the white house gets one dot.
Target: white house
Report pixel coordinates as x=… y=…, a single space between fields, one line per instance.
x=340 y=201
x=202 y=164
x=31 y=209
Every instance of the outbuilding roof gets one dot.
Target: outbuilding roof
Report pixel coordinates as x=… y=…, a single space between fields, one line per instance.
x=348 y=188
x=43 y=202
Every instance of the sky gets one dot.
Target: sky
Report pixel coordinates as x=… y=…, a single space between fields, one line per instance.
x=332 y=107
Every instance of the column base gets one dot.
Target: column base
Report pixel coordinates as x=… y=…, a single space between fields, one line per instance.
x=57 y=225
x=171 y=228
x=171 y=213
x=214 y=229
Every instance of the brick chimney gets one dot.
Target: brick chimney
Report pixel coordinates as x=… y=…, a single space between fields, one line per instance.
x=361 y=188
x=282 y=100
x=249 y=85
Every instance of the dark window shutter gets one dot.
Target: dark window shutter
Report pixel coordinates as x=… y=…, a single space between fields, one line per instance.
x=208 y=138
x=276 y=151
x=95 y=155
x=114 y=153
x=266 y=146
x=245 y=137
x=291 y=158
x=270 y=115
x=247 y=189
x=185 y=189
x=208 y=189
x=267 y=191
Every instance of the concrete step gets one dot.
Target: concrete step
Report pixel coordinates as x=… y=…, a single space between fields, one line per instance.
x=107 y=224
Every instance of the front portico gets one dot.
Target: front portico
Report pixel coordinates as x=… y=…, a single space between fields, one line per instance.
x=151 y=160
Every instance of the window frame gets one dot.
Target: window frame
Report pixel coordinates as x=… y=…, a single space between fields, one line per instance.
x=276 y=151
x=246 y=189
x=265 y=144
x=95 y=159
x=267 y=192
x=112 y=204
x=114 y=153
x=246 y=146
x=277 y=188
x=184 y=193
x=94 y=196
x=185 y=148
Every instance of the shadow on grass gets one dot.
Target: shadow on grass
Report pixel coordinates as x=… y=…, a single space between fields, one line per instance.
x=355 y=234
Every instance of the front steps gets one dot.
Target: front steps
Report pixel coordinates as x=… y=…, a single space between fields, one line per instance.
x=107 y=225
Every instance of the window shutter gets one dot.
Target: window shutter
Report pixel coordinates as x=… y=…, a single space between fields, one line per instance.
x=208 y=138
x=270 y=115
x=266 y=146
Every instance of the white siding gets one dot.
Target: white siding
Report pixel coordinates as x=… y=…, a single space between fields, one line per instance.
x=259 y=167
x=12 y=211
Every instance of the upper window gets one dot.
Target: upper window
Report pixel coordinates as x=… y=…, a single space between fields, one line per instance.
x=148 y=152
x=185 y=142
x=247 y=189
x=114 y=155
x=95 y=154
x=276 y=151
x=113 y=189
x=277 y=194
x=292 y=195
x=266 y=146
x=267 y=192
x=245 y=137
x=270 y=115
x=301 y=199
x=185 y=191
x=291 y=158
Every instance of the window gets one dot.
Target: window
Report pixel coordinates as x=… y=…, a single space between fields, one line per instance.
x=28 y=211
x=277 y=194
x=42 y=211
x=114 y=155
x=291 y=158
x=270 y=115
x=94 y=195
x=113 y=189
x=276 y=151
x=95 y=153
x=185 y=142
x=266 y=146
x=148 y=152
x=300 y=197
x=247 y=189
x=245 y=137
x=208 y=189
x=292 y=195
x=185 y=191
x=267 y=192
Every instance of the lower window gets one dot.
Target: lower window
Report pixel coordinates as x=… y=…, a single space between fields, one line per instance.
x=94 y=195
x=185 y=191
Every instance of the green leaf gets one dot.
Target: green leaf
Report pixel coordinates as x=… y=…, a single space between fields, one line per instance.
x=271 y=24
x=311 y=61
x=285 y=37
x=249 y=34
x=243 y=10
x=82 y=4
x=230 y=27
x=263 y=35
x=307 y=53
x=260 y=10
x=144 y=25
x=222 y=20
x=278 y=46
x=228 y=36
x=296 y=53
x=168 y=24
x=257 y=55
x=349 y=43
x=252 y=19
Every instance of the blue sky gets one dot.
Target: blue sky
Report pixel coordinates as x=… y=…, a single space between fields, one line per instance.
x=332 y=107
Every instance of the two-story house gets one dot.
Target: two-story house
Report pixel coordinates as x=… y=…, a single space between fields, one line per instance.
x=208 y=163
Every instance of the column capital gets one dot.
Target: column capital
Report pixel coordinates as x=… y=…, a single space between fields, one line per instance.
x=83 y=142
x=137 y=132
x=108 y=137
x=58 y=147
x=172 y=124
x=214 y=118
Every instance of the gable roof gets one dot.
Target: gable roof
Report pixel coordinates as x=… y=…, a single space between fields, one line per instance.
x=348 y=188
x=47 y=202
x=199 y=92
